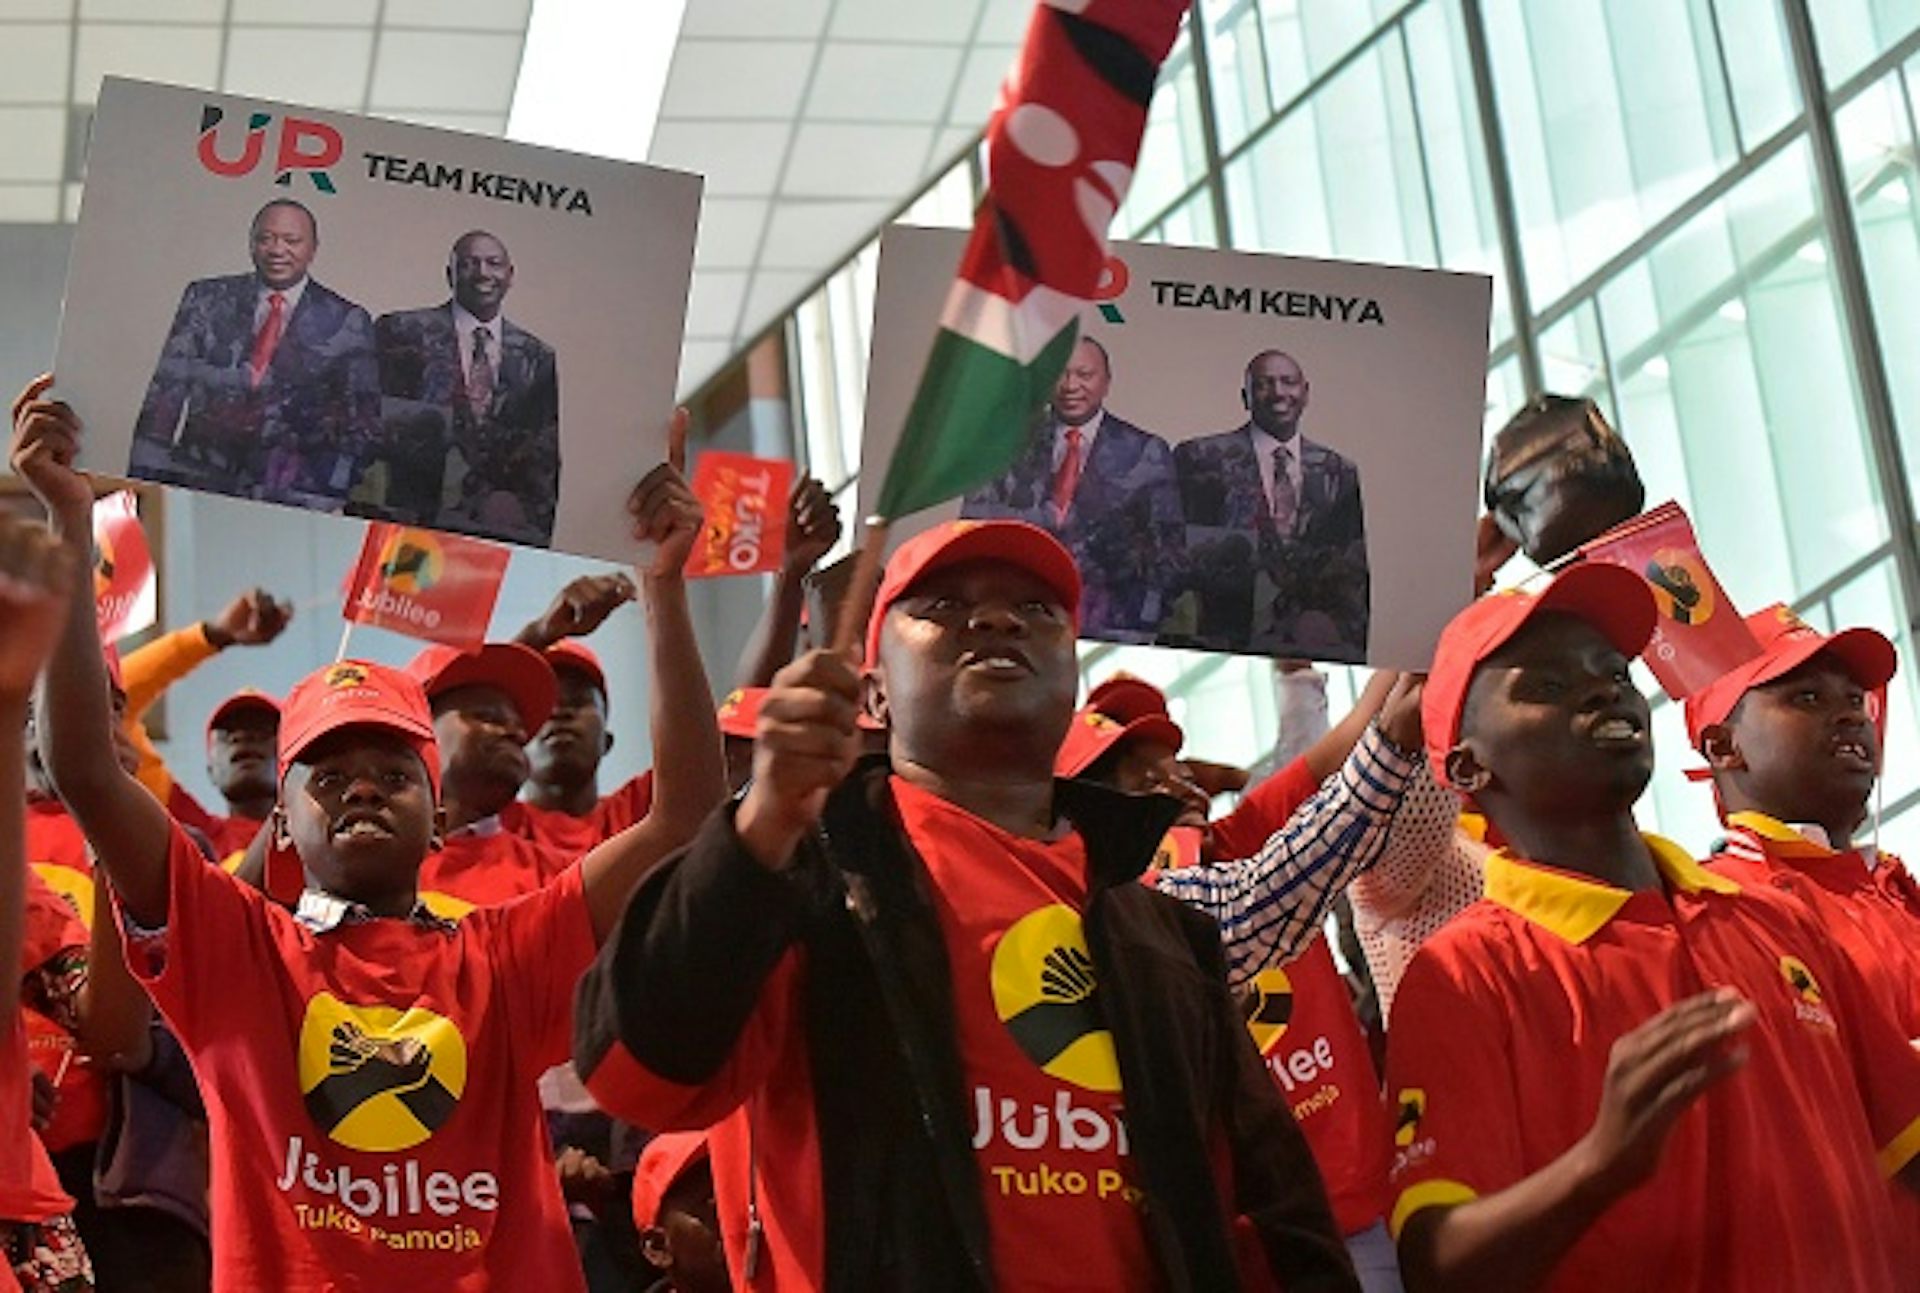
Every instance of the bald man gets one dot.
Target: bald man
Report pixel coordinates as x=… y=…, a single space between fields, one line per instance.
x=470 y=407
x=1276 y=535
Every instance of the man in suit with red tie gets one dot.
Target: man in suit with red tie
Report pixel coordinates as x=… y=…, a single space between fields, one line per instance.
x=1106 y=490
x=266 y=387
x=470 y=404
x=1275 y=532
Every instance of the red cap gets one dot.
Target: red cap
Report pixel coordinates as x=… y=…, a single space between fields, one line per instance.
x=572 y=653
x=1016 y=543
x=519 y=671
x=665 y=1159
x=1612 y=598
x=1126 y=697
x=357 y=693
x=1093 y=733
x=245 y=698
x=1787 y=642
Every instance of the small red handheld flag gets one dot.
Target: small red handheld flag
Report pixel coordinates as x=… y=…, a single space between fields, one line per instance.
x=123 y=583
x=1700 y=634
x=440 y=587
x=746 y=502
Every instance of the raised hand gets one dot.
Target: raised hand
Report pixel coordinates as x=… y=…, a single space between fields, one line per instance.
x=813 y=525
x=36 y=579
x=1654 y=1075
x=665 y=511
x=46 y=444
x=580 y=608
x=254 y=618
x=1400 y=713
x=806 y=742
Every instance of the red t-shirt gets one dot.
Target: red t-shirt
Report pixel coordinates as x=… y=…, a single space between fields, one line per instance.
x=1042 y=1076
x=571 y=836
x=1499 y=1051
x=29 y=1188
x=370 y=1090
x=1874 y=915
x=1303 y=1023
x=485 y=867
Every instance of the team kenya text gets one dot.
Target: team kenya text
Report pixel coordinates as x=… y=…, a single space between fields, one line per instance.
x=486 y=184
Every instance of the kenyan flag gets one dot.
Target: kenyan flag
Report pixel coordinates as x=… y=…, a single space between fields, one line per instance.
x=1060 y=153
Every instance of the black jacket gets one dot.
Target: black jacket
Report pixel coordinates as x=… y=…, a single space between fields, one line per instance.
x=677 y=983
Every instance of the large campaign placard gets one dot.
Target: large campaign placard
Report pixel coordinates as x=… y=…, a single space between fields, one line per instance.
x=364 y=317
x=1246 y=453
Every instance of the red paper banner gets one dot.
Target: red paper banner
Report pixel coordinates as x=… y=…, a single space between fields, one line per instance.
x=746 y=502
x=123 y=583
x=440 y=587
x=1700 y=634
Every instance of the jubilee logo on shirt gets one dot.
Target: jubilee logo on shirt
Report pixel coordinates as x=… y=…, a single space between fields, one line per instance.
x=381 y=1080
x=1809 y=1006
x=1302 y=1065
x=1047 y=995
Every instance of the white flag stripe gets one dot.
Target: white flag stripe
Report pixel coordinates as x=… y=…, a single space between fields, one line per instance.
x=1019 y=330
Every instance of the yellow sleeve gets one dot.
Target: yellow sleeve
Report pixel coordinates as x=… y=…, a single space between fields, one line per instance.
x=147 y=673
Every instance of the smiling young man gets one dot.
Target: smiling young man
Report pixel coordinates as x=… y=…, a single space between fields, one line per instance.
x=369 y=1068
x=1794 y=753
x=1618 y=1069
x=946 y=1038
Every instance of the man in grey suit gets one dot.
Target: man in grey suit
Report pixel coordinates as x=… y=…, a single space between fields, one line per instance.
x=1106 y=490
x=1275 y=532
x=266 y=386
x=470 y=411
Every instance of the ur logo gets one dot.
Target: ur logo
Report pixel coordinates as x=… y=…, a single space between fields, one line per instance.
x=411 y=562
x=303 y=145
x=1269 y=1008
x=1406 y=1124
x=1045 y=992
x=379 y=1079
x=1681 y=586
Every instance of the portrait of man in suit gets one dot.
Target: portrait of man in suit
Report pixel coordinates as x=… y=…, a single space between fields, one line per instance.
x=470 y=411
x=1106 y=489
x=267 y=387
x=1275 y=533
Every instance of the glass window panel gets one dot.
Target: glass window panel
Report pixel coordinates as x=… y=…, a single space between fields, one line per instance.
x=1877 y=141
x=1237 y=61
x=1610 y=122
x=1456 y=163
x=1766 y=96
x=1306 y=37
x=1172 y=152
x=1852 y=33
x=1343 y=174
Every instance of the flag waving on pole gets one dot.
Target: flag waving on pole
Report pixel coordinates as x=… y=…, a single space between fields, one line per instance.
x=1061 y=147
x=1700 y=635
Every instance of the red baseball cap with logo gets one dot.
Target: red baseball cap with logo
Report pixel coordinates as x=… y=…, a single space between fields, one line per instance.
x=1093 y=733
x=1015 y=543
x=358 y=693
x=572 y=653
x=1613 y=599
x=244 y=699
x=519 y=671
x=1126 y=697
x=1787 y=642
x=664 y=1161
